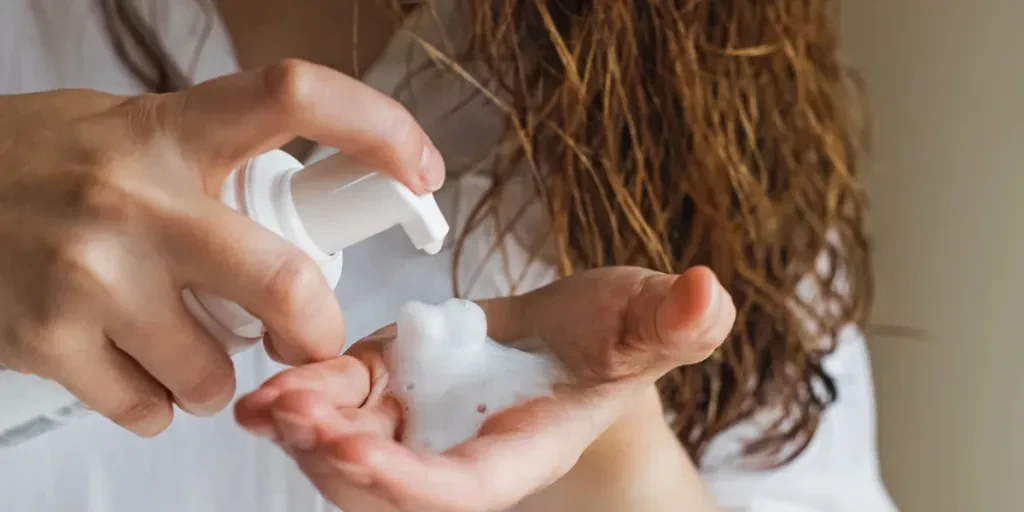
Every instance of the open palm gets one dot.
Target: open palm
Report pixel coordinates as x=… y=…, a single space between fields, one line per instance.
x=617 y=330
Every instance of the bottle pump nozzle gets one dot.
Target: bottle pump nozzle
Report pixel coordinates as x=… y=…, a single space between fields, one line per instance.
x=324 y=208
x=342 y=203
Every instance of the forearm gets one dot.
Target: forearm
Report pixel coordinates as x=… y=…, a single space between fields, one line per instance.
x=636 y=465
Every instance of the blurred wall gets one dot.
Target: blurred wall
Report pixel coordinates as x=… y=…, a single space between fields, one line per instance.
x=947 y=84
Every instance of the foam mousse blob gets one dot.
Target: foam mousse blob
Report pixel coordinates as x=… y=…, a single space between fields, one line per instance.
x=451 y=377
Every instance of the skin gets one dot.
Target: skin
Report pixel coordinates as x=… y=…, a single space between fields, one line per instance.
x=599 y=444
x=108 y=211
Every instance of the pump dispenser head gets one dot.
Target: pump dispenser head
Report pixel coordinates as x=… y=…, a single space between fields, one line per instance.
x=323 y=209
x=341 y=203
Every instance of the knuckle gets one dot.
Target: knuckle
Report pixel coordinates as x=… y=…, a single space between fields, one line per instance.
x=146 y=415
x=288 y=84
x=287 y=289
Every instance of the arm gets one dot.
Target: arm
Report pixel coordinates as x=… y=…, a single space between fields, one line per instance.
x=638 y=464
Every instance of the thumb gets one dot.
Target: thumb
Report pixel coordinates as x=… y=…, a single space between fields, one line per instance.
x=680 y=319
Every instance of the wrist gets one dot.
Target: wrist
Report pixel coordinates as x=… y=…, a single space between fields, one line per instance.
x=640 y=431
x=640 y=460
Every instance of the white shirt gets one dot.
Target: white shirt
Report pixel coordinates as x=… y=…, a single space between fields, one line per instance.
x=209 y=464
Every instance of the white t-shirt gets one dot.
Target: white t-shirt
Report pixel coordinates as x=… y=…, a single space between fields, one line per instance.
x=209 y=464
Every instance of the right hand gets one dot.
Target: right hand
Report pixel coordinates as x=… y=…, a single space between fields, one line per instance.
x=108 y=211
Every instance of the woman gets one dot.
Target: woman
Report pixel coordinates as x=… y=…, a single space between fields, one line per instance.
x=721 y=136
x=661 y=136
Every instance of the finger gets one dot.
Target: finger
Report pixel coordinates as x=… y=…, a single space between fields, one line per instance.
x=679 y=319
x=341 y=382
x=227 y=254
x=269 y=347
x=170 y=344
x=305 y=419
x=112 y=384
x=230 y=119
x=517 y=453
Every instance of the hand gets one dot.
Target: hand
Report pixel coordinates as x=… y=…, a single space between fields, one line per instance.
x=108 y=211
x=616 y=329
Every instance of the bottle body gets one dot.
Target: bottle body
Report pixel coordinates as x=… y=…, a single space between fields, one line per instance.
x=262 y=191
x=31 y=406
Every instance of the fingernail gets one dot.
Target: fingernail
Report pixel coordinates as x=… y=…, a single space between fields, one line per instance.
x=295 y=431
x=430 y=159
x=355 y=474
x=714 y=307
x=200 y=410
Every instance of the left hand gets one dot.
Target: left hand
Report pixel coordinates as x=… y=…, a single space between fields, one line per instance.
x=616 y=329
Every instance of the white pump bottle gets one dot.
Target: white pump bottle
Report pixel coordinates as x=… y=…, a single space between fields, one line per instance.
x=322 y=209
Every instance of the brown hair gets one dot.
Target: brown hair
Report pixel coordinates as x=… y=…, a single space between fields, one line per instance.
x=673 y=133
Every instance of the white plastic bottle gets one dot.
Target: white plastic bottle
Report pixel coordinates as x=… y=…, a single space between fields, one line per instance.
x=322 y=209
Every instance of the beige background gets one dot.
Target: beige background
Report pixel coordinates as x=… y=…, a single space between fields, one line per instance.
x=947 y=86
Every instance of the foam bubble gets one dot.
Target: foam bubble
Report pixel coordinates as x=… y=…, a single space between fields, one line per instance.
x=451 y=377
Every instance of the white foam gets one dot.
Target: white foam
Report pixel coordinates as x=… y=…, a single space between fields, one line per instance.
x=451 y=377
